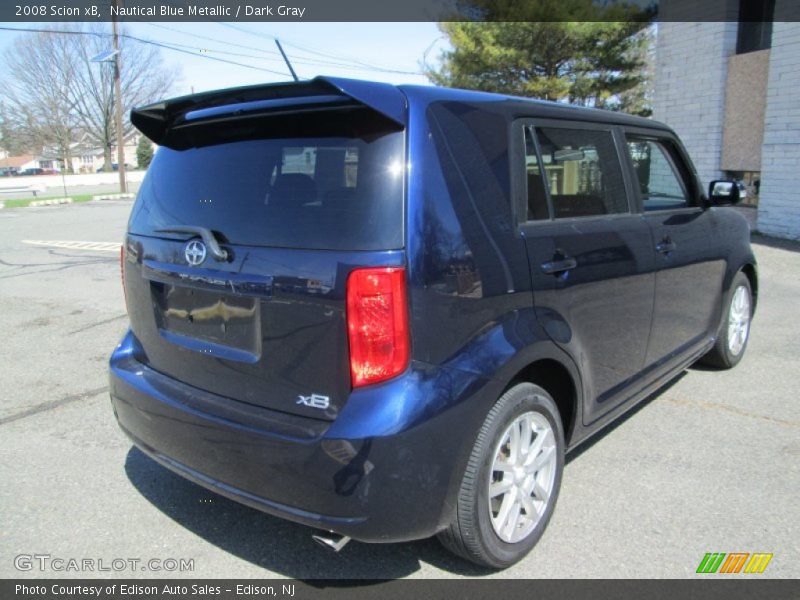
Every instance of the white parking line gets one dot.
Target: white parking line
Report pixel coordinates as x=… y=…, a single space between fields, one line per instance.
x=76 y=245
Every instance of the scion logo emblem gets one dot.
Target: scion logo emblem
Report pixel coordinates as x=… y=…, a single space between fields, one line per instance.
x=314 y=401
x=195 y=252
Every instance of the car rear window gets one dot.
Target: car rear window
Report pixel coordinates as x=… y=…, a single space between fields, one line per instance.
x=333 y=192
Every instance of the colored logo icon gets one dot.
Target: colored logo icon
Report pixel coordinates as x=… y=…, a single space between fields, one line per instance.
x=734 y=562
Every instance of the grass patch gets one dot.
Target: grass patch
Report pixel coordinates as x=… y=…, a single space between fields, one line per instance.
x=23 y=202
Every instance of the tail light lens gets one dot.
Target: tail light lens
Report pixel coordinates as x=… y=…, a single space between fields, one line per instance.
x=377 y=324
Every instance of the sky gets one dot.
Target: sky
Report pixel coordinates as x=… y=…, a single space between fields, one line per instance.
x=388 y=52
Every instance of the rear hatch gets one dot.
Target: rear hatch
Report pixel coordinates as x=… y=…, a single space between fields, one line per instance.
x=258 y=204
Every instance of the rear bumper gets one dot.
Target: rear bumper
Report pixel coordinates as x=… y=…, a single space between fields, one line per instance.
x=386 y=470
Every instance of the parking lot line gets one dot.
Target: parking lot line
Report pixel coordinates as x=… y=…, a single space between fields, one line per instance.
x=76 y=245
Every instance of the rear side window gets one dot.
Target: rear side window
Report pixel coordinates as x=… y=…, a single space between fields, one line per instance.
x=580 y=169
x=336 y=193
x=537 y=196
x=660 y=184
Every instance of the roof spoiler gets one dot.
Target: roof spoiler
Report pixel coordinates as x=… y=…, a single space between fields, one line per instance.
x=158 y=119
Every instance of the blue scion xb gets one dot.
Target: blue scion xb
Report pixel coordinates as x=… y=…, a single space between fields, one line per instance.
x=388 y=312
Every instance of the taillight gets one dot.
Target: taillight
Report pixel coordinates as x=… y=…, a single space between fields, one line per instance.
x=377 y=324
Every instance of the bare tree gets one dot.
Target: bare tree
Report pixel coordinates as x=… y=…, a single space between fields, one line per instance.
x=143 y=75
x=54 y=95
x=35 y=104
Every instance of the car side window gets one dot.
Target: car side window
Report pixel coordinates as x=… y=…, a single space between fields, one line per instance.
x=582 y=171
x=660 y=183
x=537 y=197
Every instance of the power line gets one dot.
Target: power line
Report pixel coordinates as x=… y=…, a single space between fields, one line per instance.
x=349 y=60
x=144 y=41
x=202 y=55
x=198 y=52
x=203 y=37
x=349 y=63
x=273 y=56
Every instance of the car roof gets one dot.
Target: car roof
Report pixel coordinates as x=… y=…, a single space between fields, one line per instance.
x=158 y=119
x=519 y=106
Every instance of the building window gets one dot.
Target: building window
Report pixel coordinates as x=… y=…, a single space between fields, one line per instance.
x=755 y=25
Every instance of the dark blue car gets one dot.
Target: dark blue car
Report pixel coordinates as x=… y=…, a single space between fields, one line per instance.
x=388 y=312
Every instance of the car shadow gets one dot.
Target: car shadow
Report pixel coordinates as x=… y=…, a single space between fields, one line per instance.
x=276 y=545
x=773 y=242
x=622 y=419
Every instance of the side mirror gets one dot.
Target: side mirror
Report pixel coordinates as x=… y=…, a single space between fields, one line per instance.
x=725 y=192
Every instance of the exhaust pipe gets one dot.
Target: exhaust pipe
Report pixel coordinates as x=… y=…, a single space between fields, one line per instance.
x=331 y=542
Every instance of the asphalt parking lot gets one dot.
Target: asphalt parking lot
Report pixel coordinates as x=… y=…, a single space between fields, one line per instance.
x=709 y=464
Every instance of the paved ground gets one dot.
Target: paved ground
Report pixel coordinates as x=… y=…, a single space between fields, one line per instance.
x=709 y=464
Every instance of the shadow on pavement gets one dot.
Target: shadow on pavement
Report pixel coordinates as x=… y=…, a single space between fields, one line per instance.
x=622 y=419
x=772 y=242
x=274 y=544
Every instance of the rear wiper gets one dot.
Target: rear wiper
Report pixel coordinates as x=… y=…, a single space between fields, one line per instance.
x=210 y=241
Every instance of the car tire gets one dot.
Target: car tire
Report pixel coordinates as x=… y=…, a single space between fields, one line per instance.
x=734 y=330
x=478 y=531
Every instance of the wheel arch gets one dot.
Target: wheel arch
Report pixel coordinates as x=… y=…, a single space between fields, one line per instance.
x=562 y=381
x=749 y=269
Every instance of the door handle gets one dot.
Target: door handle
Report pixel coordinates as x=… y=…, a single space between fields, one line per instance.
x=665 y=246
x=554 y=267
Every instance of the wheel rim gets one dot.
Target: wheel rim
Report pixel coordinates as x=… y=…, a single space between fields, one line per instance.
x=522 y=477
x=738 y=320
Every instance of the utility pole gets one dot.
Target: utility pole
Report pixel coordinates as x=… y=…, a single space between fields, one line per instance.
x=123 y=187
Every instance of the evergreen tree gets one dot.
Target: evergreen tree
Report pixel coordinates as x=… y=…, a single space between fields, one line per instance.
x=594 y=62
x=144 y=152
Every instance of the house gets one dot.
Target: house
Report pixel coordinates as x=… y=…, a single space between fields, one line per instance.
x=11 y=165
x=727 y=80
x=90 y=159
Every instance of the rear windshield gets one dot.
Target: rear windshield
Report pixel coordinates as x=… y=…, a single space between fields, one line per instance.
x=334 y=193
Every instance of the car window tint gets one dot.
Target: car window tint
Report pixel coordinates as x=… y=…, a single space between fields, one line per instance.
x=537 y=198
x=583 y=172
x=331 y=167
x=331 y=193
x=659 y=182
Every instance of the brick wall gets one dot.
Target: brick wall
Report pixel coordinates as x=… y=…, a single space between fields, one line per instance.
x=779 y=202
x=691 y=69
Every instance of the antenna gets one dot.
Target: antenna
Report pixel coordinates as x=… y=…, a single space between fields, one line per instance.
x=286 y=58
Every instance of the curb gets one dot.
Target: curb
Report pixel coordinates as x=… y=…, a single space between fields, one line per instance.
x=51 y=202
x=114 y=197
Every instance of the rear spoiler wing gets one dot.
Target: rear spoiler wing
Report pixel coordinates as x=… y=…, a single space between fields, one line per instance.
x=157 y=120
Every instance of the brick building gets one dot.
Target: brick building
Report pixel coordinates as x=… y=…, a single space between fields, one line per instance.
x=728 y=81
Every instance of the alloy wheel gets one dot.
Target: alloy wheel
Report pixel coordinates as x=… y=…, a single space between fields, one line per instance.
x=738 y=320
x=522 y=476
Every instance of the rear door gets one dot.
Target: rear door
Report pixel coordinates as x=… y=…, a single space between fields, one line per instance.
x=590 y=257
x=689 y=258
x=294 y=205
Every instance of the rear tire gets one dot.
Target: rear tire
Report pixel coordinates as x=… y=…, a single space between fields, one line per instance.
x=495 y=528
x=734 y=330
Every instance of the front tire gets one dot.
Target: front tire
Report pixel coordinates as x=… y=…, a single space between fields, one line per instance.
x=512 y=480
x=734 y=331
